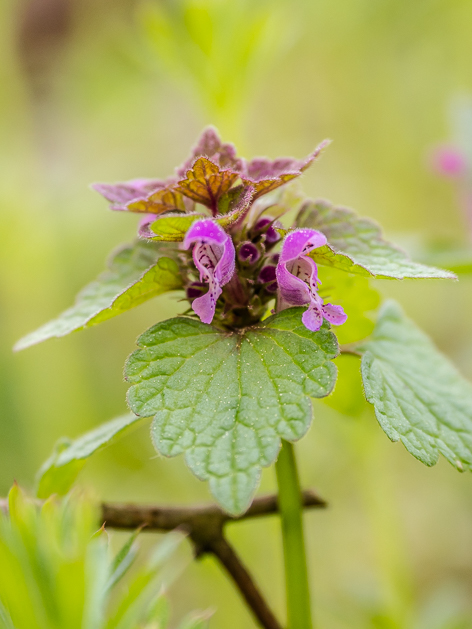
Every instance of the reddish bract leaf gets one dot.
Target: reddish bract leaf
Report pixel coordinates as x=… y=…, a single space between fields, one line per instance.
x=266 y=175
x=206 y=182
x=165 y=200
x=210 y=145
x=267 y=185
x=121 y=194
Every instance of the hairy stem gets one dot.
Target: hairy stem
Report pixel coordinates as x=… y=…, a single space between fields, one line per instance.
x=291 y=515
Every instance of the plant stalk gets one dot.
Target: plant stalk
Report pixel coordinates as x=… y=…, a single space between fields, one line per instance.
x=291 y=515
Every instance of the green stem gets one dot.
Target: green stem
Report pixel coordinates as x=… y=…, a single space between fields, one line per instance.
x=291 y=514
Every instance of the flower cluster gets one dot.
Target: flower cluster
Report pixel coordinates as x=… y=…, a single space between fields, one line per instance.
x=228 y=253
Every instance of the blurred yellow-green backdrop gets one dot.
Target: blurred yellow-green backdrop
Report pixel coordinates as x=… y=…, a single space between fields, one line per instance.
x=102 y=90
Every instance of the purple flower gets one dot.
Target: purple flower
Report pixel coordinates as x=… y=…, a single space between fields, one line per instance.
x=213 y=255
x=449 y=161
x=297 y=276
x=266 y=224
x=248 y=253
x=268 y=276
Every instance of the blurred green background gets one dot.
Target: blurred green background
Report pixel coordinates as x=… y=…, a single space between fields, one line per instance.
x=102 y=90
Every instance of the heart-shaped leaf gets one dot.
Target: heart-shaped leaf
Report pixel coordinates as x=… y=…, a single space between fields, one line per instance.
x=356 y=245
x=419 y=397
x=135 y=275
x=226 y=399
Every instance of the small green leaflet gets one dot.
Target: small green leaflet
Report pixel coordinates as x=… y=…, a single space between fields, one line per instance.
x=173 y=227
x=59 y=472
x=356 y=245
x=136 y=273
x=225 y=399
x=419 y=397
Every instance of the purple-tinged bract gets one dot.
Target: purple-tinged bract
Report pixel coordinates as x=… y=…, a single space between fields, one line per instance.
x=213 y=255
x=297 y=276
x=121 y=194
x=209 y=145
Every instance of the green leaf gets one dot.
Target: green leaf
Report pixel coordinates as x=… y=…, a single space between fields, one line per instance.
x=356 y=245
x=135 y=275
x=225 y=399
x=59 y=472
x=123 y=559
x=419 y=397
x=358 y=299
x=456 y=257
x=173 y=227
x=139 y=599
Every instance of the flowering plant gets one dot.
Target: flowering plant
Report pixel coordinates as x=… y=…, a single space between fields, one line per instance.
x=229 y=383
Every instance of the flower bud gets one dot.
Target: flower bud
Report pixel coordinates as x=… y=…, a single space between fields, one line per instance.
x=268 y=276
x=266 y=225
x=248 y=253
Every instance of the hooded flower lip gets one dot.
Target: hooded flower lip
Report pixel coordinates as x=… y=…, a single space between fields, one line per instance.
x=214 y=256
x=297 y=277
x=120 y=195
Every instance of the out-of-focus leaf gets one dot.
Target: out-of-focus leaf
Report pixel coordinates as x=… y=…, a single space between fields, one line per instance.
x=49 y=577
x=138 y=601
x=456 y=258
x=196 y=620
x=55 y=572
x=59 y=472
x=226 y=399
x=97 y=574
x=206 y=183
x=357 y=297
x=419 y=397
x=136 y=273
x=347 y=397
x=123 y=559
x=218 y=47
x=356 y=245
x=159 y=613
